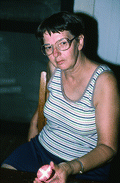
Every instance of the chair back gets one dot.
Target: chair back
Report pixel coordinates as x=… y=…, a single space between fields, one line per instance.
x=43 y=94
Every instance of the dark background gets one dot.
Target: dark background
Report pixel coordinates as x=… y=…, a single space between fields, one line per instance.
x=21 y=60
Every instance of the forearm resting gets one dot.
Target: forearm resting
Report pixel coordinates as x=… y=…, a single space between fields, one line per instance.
x=97 y=157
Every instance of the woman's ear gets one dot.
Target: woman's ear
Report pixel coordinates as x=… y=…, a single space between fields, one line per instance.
x=81 y=42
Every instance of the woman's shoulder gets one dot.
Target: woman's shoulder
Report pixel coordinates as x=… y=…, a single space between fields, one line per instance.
x=106 y=82
x=105 y=76
x=106 y=87
x=99 y=69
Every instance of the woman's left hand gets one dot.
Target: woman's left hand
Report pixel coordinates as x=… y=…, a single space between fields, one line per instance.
x=61 y=172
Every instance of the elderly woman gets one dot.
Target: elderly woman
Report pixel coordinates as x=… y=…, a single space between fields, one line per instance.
x=82 y=109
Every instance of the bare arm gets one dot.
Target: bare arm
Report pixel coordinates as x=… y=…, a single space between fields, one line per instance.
x=106 y=102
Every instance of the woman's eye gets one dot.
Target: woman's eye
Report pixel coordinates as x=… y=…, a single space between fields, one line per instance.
x=63 y=43
x=48 y=47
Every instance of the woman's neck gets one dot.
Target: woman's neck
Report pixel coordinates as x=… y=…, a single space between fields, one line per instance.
x=77 y=69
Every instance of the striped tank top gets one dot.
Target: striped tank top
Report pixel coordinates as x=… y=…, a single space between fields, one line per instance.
x=71 y=129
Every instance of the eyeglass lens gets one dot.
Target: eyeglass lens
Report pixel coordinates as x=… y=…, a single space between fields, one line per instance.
x=62 y=45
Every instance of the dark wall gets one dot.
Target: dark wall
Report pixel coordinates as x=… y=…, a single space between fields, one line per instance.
x=21 y=60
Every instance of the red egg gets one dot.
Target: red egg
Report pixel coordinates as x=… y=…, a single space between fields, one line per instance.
x=44 y=173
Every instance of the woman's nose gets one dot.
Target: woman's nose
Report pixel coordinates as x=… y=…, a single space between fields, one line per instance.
x=56 y=52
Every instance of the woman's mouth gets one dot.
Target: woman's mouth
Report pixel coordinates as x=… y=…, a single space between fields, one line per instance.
x=60 y=62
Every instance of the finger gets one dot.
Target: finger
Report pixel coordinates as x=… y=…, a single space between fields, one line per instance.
x=52 y=165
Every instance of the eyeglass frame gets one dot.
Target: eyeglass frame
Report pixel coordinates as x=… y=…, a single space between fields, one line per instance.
x=68 y=40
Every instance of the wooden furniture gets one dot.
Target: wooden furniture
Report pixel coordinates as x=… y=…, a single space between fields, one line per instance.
x=43 y=94
x=13 y=176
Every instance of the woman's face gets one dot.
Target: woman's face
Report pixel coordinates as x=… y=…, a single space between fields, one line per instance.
x=64 y=60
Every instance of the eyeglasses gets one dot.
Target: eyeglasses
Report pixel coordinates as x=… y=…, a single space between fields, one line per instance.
x=62 y=45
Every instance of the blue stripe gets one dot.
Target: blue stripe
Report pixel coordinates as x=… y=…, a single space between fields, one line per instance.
x=62 y=144
x=69 y=112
